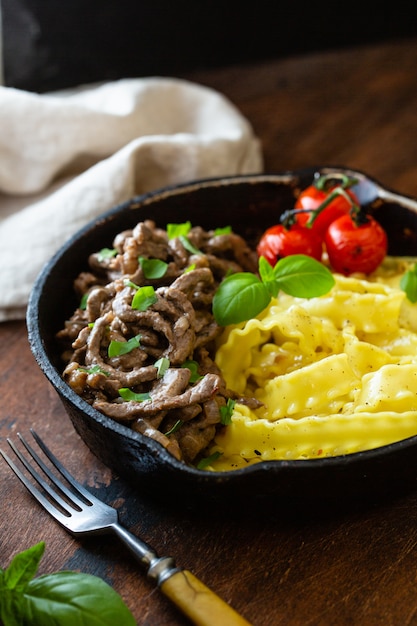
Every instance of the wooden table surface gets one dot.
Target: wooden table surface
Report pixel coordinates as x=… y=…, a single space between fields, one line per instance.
x=313 y=565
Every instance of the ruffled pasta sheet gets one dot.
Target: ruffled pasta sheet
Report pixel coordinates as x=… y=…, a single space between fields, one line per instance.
x=336 y=374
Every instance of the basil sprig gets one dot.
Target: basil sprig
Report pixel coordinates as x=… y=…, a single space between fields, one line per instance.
x=60 y=599
x=244 y=295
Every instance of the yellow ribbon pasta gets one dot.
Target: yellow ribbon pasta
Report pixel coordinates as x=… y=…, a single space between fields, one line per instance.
x=335 y=374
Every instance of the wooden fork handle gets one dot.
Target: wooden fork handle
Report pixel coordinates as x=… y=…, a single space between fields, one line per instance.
x=198 y=602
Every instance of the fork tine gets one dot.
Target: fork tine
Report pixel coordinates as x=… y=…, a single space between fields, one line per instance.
x=38 y=495
x=77 y=502
x=65 y=505
x=86 y=496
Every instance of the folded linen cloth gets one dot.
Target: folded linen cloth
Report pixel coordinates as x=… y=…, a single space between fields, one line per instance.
x=67 y=157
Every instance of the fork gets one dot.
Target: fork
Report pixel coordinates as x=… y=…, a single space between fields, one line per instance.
x=81 y=514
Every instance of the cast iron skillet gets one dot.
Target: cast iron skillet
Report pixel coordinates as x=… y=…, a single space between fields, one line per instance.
x=250 y=204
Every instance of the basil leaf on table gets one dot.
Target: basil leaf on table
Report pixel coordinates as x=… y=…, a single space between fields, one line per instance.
x=60 y=599
x=73 y=598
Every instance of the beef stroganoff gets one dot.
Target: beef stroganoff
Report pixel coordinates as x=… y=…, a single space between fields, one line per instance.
x=139 y=348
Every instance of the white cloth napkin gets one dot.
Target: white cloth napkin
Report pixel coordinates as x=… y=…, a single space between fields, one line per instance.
x=67 y=157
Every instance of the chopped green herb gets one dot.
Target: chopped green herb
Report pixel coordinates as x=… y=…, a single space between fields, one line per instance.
x=175 y=427
x=94 y=369
x=243 y=295
x=226 y=230
x=83 y=301
x=129 y=283
x=178 y=230
x=408 y=284
x=226 y=412
x=117 y=348
x=128 y=394
x=153 y=268
x=193 y=367
x=162 y=365
x=190 y=268
x=188 y=245
x=144 y=298
x=106 y=253
x=208 y=460
x=181 y=231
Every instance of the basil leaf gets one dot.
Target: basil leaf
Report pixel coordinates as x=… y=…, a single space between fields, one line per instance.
x=208 y=460
x=267 y=275
x=23 y=567
x=153 y=268
x=144 y=298
x=14 y=582
x=226 y=230
x=129 y=283
x=83 y=301
x=193 y=367
x=178 y=230
x=68 y=598
x=60 y=599
x=94 y=369
x=117 y=348
x=162 y=365
x=226 y=412
x=106 y=253
x=188 y=245
x=10 y=608
x=175 y=427
x=238 y=298
x=127 y=394
x=408 y=283
x=302 y=276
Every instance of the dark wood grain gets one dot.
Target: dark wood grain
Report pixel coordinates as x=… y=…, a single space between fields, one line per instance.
x=343 y=564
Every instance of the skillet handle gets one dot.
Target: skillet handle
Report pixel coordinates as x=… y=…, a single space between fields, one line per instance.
x=198 y=602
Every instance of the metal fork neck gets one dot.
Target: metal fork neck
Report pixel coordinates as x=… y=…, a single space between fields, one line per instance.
x=140 y=550
x=158 y=569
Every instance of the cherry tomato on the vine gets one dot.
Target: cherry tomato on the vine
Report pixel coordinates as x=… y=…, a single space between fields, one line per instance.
x=279 y=241
x=355 y=248
x=312 y=197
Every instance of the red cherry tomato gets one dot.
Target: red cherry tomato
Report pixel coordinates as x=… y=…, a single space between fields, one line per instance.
x=352 y=248
x=279 y=241
x=312 y=197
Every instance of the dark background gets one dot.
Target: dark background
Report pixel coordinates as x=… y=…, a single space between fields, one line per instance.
x=50 y=44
